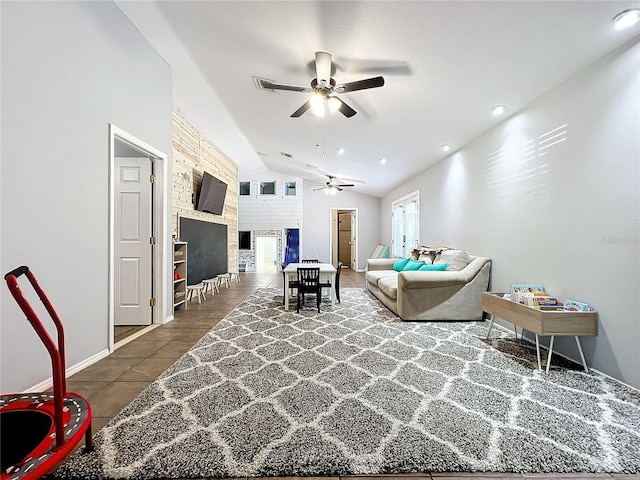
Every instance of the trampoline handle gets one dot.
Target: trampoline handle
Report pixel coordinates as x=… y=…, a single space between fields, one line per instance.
x=17 y=271
x=57 y=353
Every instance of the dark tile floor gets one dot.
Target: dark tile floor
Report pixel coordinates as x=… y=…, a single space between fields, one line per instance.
x=113 y=382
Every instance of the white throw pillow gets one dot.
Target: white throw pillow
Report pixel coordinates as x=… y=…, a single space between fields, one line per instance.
x=457 y=259
x=426 y=259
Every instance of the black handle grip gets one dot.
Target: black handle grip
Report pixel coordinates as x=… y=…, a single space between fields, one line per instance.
x=17 y=272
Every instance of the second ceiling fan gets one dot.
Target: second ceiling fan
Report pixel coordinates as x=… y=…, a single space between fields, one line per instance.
x=332 y=186
x=325 y=88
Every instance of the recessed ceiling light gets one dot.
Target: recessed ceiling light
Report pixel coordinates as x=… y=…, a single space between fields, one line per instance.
x=498 y=109
x=383 y=161
x=341 y=150
x=628 y=18
x=446 y=148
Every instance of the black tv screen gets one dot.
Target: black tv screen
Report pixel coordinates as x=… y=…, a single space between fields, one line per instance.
x=212 y=194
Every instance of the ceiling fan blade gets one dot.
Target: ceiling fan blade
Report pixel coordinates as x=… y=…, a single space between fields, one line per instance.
x=321 y=188
x=323 y=68
x=360 y=85
x=346 y=110
x=346 y=185
x=305 y=106
x=276 y=86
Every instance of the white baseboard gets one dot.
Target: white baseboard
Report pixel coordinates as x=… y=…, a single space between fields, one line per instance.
x=48 y=383
x=169 y=319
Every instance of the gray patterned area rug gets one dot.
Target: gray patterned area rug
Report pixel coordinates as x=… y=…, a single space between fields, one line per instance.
x=355 y=390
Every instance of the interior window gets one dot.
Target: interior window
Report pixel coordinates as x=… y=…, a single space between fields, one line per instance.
x=290 y=188
x=267 y=188
x=244 y=240
x=245 y=188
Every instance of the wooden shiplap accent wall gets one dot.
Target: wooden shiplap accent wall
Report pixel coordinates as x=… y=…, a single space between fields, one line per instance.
x=194 y=153
x=271 y=212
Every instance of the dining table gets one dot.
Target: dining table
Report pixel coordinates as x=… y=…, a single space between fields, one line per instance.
x=327 y=275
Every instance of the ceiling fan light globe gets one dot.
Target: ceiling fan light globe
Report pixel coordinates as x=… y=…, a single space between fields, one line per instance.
x=626 y=19
x=316 y=101
x=334 y=104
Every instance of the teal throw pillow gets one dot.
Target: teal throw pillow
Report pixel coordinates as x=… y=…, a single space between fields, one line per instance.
x=438 y=267
x=400 y=264
x=412 y=265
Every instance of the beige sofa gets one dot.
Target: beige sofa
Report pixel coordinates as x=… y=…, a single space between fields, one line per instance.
x=430 y=295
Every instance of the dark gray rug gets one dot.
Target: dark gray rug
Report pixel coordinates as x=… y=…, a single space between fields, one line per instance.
x=354 y=390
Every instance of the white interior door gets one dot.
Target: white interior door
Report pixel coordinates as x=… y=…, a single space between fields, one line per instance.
x=133 y=246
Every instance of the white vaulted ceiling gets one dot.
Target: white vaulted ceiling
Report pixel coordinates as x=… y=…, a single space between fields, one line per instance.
x=444 y=64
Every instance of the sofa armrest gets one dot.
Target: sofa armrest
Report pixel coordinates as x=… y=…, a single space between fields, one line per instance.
x=380 y=264
x=414 y=280
x=417 y=280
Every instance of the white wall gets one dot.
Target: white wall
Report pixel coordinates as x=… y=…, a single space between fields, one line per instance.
x=315 y=236
x=68 y=70
x=566 y=215
x=270 y=212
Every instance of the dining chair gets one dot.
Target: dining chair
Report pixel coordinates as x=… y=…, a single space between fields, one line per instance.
x=310 y=260
x=309 y=282
x=336 y=282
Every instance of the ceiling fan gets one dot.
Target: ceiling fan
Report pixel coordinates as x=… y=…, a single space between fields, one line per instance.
x=324 y=89
x=332 y=187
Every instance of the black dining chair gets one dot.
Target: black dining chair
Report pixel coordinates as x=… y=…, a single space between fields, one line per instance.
x=310 y=260
x=309 y=282
x=336 y=283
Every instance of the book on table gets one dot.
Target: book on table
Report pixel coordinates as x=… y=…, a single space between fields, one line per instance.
x=517 y=290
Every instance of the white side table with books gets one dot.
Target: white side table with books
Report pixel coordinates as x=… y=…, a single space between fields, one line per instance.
x=551 y=321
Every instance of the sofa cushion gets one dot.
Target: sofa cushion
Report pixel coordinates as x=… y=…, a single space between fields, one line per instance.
x=400 y=264
x=373 y=276
x=441 y=267
x=412 y=265
x=457 y=259
x=389 y=286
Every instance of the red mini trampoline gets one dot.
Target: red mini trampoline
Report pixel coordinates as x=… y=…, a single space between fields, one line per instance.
x=38 y=430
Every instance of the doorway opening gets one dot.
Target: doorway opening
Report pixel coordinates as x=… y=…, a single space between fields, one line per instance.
x=266 y=254
x=344 y=237
x=137 y=237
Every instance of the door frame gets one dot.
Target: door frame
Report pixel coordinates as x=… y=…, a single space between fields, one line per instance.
x=159 y=226
x=333 y=228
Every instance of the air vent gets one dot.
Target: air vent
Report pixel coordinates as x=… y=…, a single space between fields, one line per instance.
x=311 y=166
x=286 y=155
x=262 y=154
x=257 y=81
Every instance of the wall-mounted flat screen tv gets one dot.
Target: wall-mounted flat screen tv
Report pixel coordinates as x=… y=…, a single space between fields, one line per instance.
x=212 y=194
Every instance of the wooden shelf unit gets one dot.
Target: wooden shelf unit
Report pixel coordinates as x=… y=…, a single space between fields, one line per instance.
x=179 y=268
x=551 y=321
